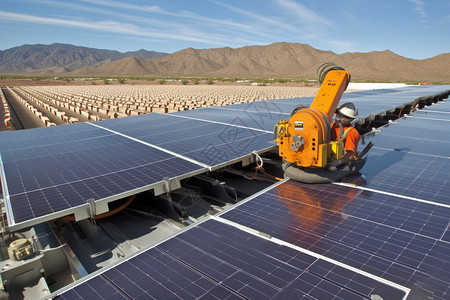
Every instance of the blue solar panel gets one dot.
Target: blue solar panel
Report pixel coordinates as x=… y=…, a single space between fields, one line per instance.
x=65 y=173
x=372 y=92
x=437 y=115
x=283 y=106
x=399 y=238
x=411 y=158
x=395 y=238
x=213 y=259
x=413 y=175
x=370 y=103
x=260 y=116
x=159 y=122
x=415 y=134
x=438 y=107
x=97 y=288
x=205 y=141
x=375 y=102
x=48 y=171
x=20 y=139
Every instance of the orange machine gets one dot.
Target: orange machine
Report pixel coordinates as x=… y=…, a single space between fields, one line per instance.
x=305 y=138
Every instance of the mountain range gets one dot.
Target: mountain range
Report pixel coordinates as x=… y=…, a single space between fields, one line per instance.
x=61 y=58
x=289 y=60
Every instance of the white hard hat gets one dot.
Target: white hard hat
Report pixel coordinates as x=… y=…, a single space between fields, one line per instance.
x=348 y=110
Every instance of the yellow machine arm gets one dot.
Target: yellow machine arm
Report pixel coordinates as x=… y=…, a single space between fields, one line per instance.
x=305 y=138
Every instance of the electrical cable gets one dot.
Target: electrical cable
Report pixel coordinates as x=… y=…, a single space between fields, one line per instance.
x=259 y=167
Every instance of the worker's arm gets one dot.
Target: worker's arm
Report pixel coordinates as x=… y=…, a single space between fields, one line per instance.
x=348 y=156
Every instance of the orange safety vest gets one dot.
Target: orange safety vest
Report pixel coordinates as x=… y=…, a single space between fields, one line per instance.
x=350 y=136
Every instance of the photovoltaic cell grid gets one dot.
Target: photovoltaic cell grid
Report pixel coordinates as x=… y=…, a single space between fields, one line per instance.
x=412 y=158
x=420 y=176
x=401 y=240
x=57 y=174
x=415 y=134
x=438 y=115
x=258 y=115
x=53 y=170
x=438 y=107
x=379 y=102
x=216 y=260
x=52 y=135
x=208 y=142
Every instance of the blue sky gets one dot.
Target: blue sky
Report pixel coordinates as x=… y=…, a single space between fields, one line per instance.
x=412 y=28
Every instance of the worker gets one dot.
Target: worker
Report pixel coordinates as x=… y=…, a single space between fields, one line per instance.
x=345 y=114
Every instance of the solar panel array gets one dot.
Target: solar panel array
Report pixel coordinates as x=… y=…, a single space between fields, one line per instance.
x=398 y=239
x=370 y=103
x=208 y=142
x=383 y=234
x=411 y=158
x=52 y=172
x=217 y=260
x=48 y=173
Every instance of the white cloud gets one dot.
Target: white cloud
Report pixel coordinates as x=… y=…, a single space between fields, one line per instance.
x=157 y=22
x=107 y=26
x=304 y=15
x=124 y=5
x=269 y=21
x=207 y=21
x=219 y=31
x=419 y=8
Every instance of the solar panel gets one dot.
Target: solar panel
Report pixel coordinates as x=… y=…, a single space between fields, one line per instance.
x=396 y=238
x=276 y=106
x=410 y=158
x=215 y=259
x=414 y=134
x=47 y=173
x=370 y=103
x=409 y=175
x=438 y=115
x=62 y=172
x=439 y=107
x=16 y=140
x=211 y=143
x=380 y=102
x=261 y=116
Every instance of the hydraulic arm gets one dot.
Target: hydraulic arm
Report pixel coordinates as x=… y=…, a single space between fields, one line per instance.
x=305 y=138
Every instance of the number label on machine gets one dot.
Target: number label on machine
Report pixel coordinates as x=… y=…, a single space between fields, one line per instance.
x=298 y=125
